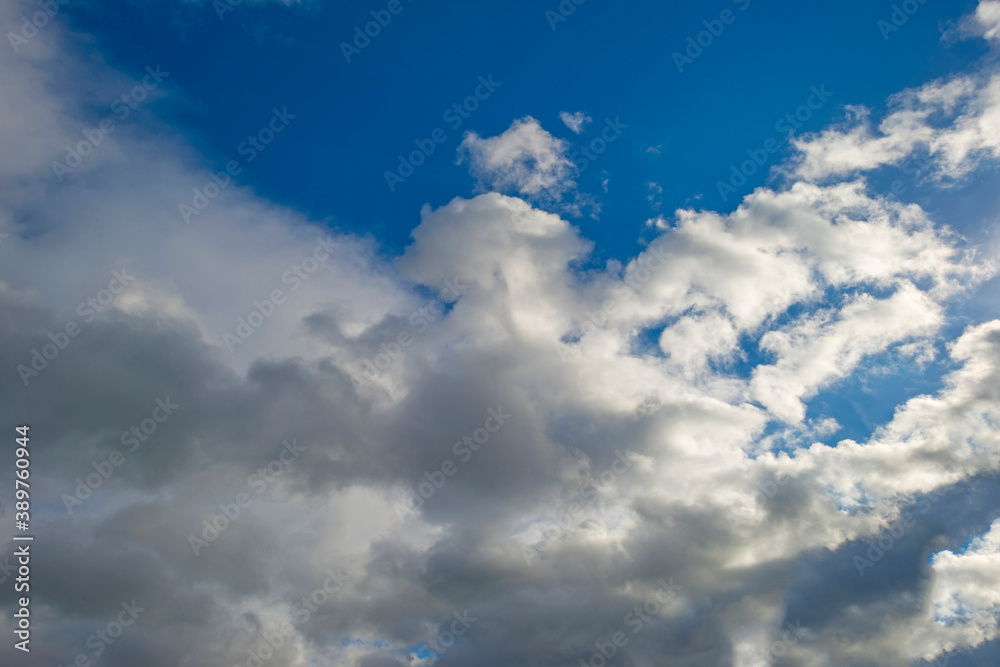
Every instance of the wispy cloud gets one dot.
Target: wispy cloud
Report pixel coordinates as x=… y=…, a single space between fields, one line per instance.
x=575 y=121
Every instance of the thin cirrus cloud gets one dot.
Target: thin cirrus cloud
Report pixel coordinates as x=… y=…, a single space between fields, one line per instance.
x=735 y=490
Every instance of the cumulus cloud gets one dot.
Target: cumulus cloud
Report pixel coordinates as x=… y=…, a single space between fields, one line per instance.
x=987 y=19
x=966 y=588
x=495 y=442
x=525 y=159
x=971 y=104
x=940 y=130
x=816 y=349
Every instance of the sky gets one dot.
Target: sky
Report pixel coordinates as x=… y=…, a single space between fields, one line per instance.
x=381 y=334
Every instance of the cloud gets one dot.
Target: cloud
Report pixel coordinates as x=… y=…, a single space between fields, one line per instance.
x=946 y=127
x=987 y=19
x=697 y=362
x=966 y=587
x=971 y=103
x=525 y=159
x=813 y=351
x=575 y=121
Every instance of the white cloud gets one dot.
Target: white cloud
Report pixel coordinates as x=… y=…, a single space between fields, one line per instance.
x=968 y=584
x=988 y=17
x=821 y=277
x=525 y=159
x=575 y=121
x=971 y=103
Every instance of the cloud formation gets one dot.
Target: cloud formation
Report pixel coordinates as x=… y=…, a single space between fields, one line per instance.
x=662 y=471
x=525 y=160
x=574 y=121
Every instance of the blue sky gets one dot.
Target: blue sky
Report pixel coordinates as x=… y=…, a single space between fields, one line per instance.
x=510 y=318
x=353 y=119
